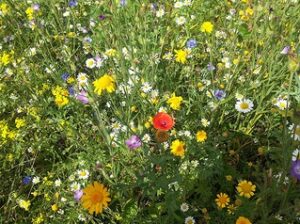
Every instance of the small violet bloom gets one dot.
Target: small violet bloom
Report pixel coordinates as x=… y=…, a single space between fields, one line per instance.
x=77 y=195
x=73 y=3
x=123 y=2
x=133 y=142
x=65 y=76
x=295 y=169
x=82 y=97
x=71 y=90
x=210 y=67
x=285 y=50
x=36 y=7
x=101 y=17
x=219 y=94
x=192 y=43
x=26 y=180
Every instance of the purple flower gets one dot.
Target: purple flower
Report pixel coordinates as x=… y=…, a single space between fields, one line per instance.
x=295 y=169
x=77 y=195
x=210 y=67
x=133 y=142
x=82 y=97
x=219 y=94
x=123 y=2
x=101 y=17
x=36 y=7
x=65 y=76
x=191 y=43
x=26 y=180
x=73 y=3
x=71 y=90
x=285 y=50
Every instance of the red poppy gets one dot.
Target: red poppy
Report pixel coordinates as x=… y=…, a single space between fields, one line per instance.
x=163 y=121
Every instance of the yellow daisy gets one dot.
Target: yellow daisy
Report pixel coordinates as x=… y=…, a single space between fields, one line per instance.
x=106 y=82
x=246 y=188
x=177 y=148
x=222 y=200
x=201 y=136
x=95 y=198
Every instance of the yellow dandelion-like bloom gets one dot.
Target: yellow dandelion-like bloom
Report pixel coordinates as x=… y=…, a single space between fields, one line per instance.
x=24 y=204
x=222 y=200
x=181 y=56
x=246 y=188
x=175 y=102
x=177 y=148
x=243 y=220
x=201 y=136
x=207 y=27
x=95 y=198
x=106 y=82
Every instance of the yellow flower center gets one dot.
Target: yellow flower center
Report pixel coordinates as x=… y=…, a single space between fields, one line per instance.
x=246 y=188
x=244 y=105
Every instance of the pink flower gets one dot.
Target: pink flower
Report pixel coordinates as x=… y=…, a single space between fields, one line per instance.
x=82 y=97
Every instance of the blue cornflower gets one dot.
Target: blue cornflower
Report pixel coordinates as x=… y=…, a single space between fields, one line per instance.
x=65 y=76
x=71 y=90
x=26 y=180
x=73 y=3
x=191 y=43
x=219 y=94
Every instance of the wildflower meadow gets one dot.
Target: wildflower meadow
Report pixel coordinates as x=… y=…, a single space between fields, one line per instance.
x=149 y=112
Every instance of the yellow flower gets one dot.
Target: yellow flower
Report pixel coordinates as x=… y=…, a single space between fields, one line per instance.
x=20 y=122
x=246 y=188
x=243 y=220
x=6 y=58
x=106 y=82
x=24 y=204
x=207 y=27
x=29 y=12
x=54 y=207
x=4 y=8
x=181 y=56
x=177 y=148
x=228 y=178
x=175 y=102
x=39 y=219
x=222 y=200
x=201 y=136
x=110 y=52
x=95 y=198
x=231 y=209
x=61 y=101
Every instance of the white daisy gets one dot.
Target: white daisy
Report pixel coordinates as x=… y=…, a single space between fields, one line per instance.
x=205 y=122
x=160 y=13
x=282 y=104
x=184 y=207
x=244 y=105
x=180 y=20
x=82 y=79
x=36 y=180
x=146 y=87
x=57 y=183
x=90 y=63
x=178 y=5
x=75 y=186
x=83 y=174
x=189 y=220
